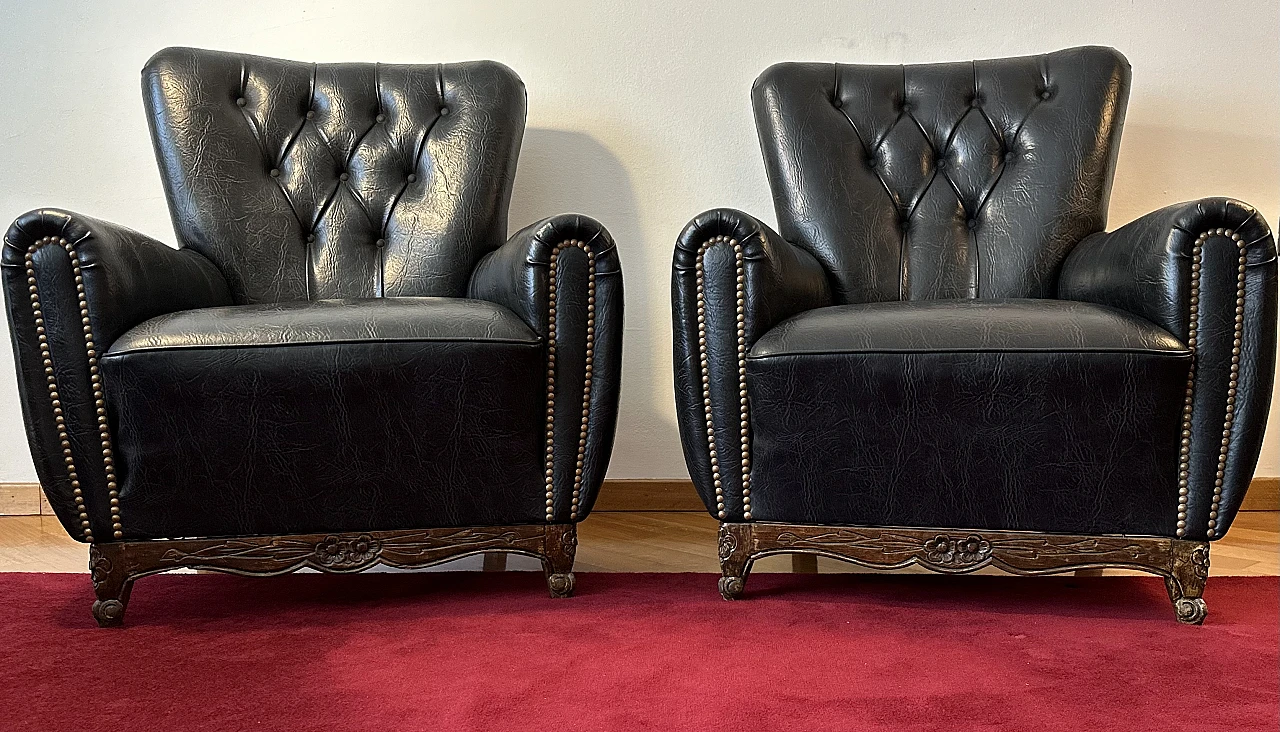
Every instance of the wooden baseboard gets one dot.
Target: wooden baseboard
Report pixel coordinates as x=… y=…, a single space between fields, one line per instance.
x=1263 y=495
x=628 y=494
x=679 y=495
x=20 y=499
x=647 y=494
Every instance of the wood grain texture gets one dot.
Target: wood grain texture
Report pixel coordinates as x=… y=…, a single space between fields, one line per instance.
x=628 y=494
x=115 y=566
x=648 y=495
x=639 y=542
x=1263 y=495
x=1183 y=564
x=623 y=494
x=20 y=499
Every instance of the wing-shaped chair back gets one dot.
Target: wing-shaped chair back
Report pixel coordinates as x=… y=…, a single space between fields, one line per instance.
x=959 y=180
x=309 y=181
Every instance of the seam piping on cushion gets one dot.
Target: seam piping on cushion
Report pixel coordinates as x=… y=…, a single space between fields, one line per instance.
x=949 y=351
x=343 y=342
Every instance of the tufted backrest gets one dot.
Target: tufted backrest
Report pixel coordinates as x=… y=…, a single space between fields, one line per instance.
x=307 y=181
x=961 y=180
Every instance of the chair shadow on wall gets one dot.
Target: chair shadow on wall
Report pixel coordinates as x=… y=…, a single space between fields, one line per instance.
x=562 y=171
x=1157 y=158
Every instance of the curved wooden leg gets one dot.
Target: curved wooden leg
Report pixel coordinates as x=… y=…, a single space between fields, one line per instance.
x=111 y=583
x=559 y=549
x=1190 y=570
x=735 y=559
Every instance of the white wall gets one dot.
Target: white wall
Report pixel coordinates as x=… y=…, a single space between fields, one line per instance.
x=638 y=115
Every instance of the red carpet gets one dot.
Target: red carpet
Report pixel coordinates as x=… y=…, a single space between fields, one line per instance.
x=449 y=651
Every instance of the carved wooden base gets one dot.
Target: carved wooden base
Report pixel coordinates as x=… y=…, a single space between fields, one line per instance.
x=114 y=566
x=1183 y=564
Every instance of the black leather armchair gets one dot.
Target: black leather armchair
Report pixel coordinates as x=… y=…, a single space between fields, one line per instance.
x=942 y=359
x=345 y=363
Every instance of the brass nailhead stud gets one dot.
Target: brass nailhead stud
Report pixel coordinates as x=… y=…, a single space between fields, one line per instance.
x=95 y=381
x=552 y=331
x=1197 y=254
x=744 y=426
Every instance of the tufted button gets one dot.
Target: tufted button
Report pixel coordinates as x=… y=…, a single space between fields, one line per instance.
x=976 y=101
x=380 y=118
x=973 y=224
x=411 y=177
x=380 y=243
x=275 y=172
x=905 y=107
x=1046 y=93
x=311 y=238
x=872 y=161
x=837 y=102
x=311 y=114
x=1009 y=156
x=444 y=111
x=241 y=101
x=343 y=176
x=940 y=162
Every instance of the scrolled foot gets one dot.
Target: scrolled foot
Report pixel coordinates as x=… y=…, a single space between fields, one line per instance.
x=731 y=587
x=108 y=613
x=560 y=584
x=1189 y=611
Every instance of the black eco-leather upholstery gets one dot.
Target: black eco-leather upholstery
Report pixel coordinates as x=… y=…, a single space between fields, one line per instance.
x=329 y=415
x=941 y=335
x=968 y=413
x=345 y=339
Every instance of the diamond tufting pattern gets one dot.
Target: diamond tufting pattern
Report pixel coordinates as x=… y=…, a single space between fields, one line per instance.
x=311 y=181
x=960 y=180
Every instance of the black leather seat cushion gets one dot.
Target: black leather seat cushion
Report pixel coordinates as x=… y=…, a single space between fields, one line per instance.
x=293 y=417
x=1038 y=415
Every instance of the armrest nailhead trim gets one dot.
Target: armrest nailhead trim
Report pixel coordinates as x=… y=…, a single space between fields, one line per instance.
x=1184 y=458
x=551 y=376
x=104 y=431
x=744 y=428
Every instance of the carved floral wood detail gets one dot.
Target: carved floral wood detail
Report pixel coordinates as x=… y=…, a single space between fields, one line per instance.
x=114 y=566
x=1183 y=564
x=348 y=552
x=964 y=550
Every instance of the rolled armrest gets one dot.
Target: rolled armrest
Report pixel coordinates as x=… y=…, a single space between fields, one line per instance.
x=72 y=285
x=562 y=277
x=1206 y=272
x=732 y=280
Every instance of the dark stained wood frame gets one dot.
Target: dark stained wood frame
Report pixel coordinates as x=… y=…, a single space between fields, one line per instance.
x=114 y=566
x=1183 y=564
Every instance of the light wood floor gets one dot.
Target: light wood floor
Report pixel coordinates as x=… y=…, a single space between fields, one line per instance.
x=635 y=542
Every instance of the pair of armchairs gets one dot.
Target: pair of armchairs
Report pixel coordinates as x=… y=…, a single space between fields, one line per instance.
x=940 y=359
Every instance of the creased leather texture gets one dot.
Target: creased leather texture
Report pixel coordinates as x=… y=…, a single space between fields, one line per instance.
x=385 y=320
x=344 y=340
x=966 y=326
x=1008 y=414
x=778 y=279
x=976 y=352
x=943 y=180
x=517 y=275
x=327 y=416
x=127 y=278
x=311 y=181
x=1146 y=267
